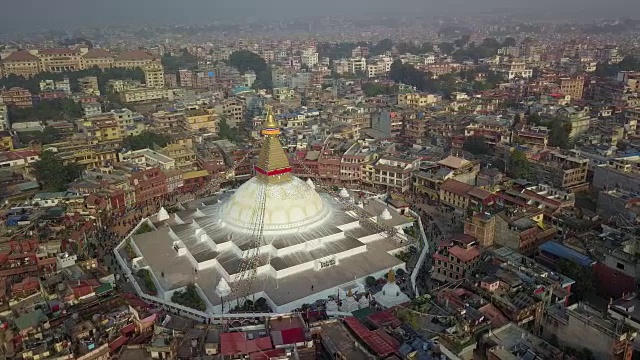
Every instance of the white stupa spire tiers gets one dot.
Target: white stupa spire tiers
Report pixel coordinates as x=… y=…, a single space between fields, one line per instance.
x=223 y=287
x=332 y=306
x=363 y=302
x=386 y=215
x=344 y=193
x=349 y=304
x=163 y=214
x=391 y=294
x=310 y=183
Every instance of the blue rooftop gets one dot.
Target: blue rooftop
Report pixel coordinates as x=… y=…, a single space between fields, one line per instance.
x=566 y=253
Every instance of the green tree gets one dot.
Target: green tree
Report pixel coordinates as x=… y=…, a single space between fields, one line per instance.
x=509 y=41
x=245 y=60
x=189 y=297
x=146 y=139
x=583 y=276
x=370 y=281
x=227 y=132
x=185 y=60
x=48 y=135
x=381 y=47
x=559 y=134
x=476 y=145
x=446 y=48
x=534 y=119
x=375 y=89
x=518 y=166
x=53 y=174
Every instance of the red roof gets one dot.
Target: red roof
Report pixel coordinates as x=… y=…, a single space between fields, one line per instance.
x=465 y=255
x=384 y=319
x=97 y=53
x=456 y=187
x=236 y=344
x=292 y=336
x=379 y=341
x=135 y=55
x=59 y=51
x=117 y=343
x=21 y=56
x=128 y=329
x=267 y=355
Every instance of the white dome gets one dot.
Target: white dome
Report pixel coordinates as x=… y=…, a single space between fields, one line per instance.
x=223 y=287
x=344 y=193
x=289 y=205
x=310 y=183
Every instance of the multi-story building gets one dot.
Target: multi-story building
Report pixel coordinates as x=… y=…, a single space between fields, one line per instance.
x=454 y=259
x=622 y=173
x=515 y=68
x=4 y=116
x=117 y=86
x=233 y=111
x=392 y=173
x=89 y=85
x=513 y=342
x=572 y=86
x=167 y=119
x=17 y=97
x=631 y=118
x=417 y=99
x=90 y=153
x=101 y=128
x=97 y=58
x=126 y=123
x=134 y=59
x=200 y=120
x=185 y=78
x=149 y=184
x=154 y=75
x=146 y=95
x=522 y=230
x=59 y=59
x=561 y=170
x=582 y=327
x=21 y=63
x=148 y=158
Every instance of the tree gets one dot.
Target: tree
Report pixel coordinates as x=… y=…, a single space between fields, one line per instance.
x=48 y=135
x=226 y=132
x=583 y=276
x=189 y=297
x=534 y=119
x=381 y=47
x=509 y=41
x=476 y=145
x=183 y=61
x=370 y=281
x=518 y=167
x=375 y=89
x=559 y=134
x=245 y=60
x=446 y=48
x=53 y=174
x=144 y=140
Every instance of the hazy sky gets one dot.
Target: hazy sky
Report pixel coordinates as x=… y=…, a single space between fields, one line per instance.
x=59 y=14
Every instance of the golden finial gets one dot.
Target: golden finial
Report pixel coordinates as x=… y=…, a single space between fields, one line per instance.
x=391 y=276
x=270 y=123
x=349 y=293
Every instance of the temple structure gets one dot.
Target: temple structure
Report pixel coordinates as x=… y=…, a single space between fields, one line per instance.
x=301 y=245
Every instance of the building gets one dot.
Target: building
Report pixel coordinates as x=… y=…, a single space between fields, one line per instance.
x=17 y=97
x=513 y=342
x=58 y=60
x=149 y=184
x=147 y=158
x=154 y=75
x=89 y=85
x=95 y=57
x=134 y=59
x=580 y=326
x=4 y=116
x=201 y=120
x=137 y=95
x=21 y=63
x=233 y=111
x=572 y=86
x=204 y=245
x=417 y=99
x=455 y=258
x=522 y=230
x=562 y=171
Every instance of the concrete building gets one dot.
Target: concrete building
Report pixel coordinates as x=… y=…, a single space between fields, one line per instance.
x=21 y=63
x=513 y=342
x=582 y=327
x=560 y=170
x=154 y=75
x=89 y=85
x=198 y=119
x=59 y=59
x=619 y=173
x=4 y=116
x=134 y=59
x=455 y=258
x=95 y=57
x=17 y=97
x=572 y=86
x=233 y=111
x=146 y=95
x=417 y=99
x=147 y=158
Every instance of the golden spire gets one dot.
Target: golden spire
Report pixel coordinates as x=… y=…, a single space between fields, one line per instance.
x=273 y=164
x=270 y=126
x=391 y=276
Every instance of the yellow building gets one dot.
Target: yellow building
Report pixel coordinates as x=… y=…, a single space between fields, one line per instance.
x=201 y=120
x=97 y=58
x=59 y=59
x=90 y=158
x=6 y=141
x=134 y=59
x=145 y=95
x=101 y=128
x=21 y=63
x=417 y=99
x=89 y=85
x=154 y=75
x=184 y=156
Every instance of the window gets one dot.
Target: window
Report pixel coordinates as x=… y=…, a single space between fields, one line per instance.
x=620 y=266
x=327 y=263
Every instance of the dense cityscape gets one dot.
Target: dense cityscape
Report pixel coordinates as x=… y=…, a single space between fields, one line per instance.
x=334 y=187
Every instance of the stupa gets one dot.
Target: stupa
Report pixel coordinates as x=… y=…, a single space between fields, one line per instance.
x=349 y=303
x=391 y=294
x=307 y=245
